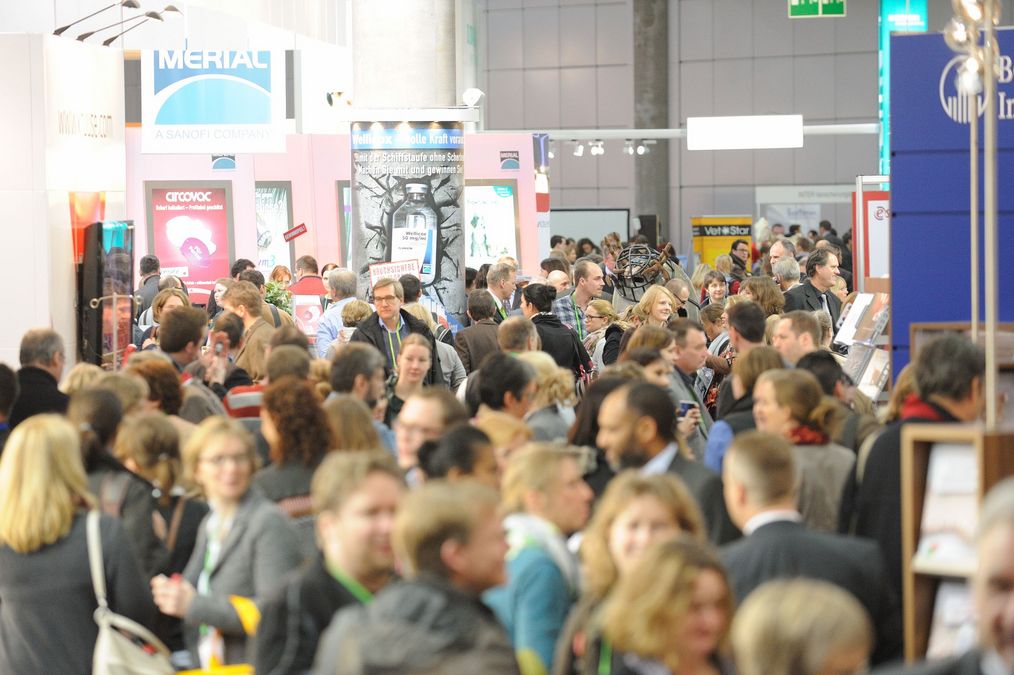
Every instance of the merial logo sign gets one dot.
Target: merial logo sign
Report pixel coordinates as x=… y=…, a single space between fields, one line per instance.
x=212 y=87
x=957 y=105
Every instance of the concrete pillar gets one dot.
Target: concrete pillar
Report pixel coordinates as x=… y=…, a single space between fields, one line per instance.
x=651 y=107
x=403 y=53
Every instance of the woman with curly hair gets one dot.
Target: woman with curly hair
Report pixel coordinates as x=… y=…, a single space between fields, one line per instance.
x=765 y=292
x=552 y=409
x=670 y=614
x=299 y=435
x=635 y=512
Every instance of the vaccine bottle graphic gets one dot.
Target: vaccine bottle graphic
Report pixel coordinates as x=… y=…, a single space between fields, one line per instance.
x=414 y=232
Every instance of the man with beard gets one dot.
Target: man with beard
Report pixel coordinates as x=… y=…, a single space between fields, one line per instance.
x=357 y=369
x=637 y=429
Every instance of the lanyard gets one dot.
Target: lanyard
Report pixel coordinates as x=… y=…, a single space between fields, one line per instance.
x=358 y=591
x=503 y=312
x=390 y=345
x=605 y=658
x=577 y=320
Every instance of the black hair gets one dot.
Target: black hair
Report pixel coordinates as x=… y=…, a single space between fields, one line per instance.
x=458 y=449
x=825 y=367
x=253 y=276
x=239 y=266
x=645 y=399
x=9 y=389
x=501 y=373
x=553 y=263
x=586 y=425
x=555 y=239
x=232 y=326
x=480 y=276
x=411 y=289
x=352 y=359
x=97 y=414
x=540 y=296
x=149 y=264
x=819 y=257
x=470 y=275
x=749 y=320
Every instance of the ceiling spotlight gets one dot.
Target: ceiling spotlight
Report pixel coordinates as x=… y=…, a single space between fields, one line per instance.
x=628 y=147
x=579 y=150
x=596 y=148
x=471 y=96
x=551 y=154
x=642 y=149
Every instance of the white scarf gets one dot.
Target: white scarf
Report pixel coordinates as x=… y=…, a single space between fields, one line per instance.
x=525 y=530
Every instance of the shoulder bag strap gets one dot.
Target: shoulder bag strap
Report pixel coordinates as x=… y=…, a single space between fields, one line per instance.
x=274 y=314
x=95 y=558
x=174 y=526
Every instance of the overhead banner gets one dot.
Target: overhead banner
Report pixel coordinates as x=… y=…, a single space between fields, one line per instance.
x=190 y=230
x=212 y=102
x=273 y=209
x=491 y=221
x=407 y=190
x=713 y=235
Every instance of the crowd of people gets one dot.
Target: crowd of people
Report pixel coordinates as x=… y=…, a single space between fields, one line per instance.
x=594 y=476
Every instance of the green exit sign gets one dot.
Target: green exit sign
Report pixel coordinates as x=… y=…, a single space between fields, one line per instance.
x=804 y=9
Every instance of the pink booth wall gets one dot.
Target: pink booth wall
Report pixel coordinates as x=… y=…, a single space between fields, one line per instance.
x=313 y=164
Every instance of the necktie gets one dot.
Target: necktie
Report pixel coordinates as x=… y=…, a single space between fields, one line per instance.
x=823 y=303
x=503 y=312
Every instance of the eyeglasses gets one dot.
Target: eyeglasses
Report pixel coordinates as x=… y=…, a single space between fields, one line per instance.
x=219 y=461
x=591 y=317
x=742 y=250
x=385 y=299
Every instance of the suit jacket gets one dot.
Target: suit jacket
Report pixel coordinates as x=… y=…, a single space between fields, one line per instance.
x=706 y=487
x=250 y=356
x=369 y=330
x=40 y=393
x=806 y=297
x=259 y=550
x=475 y=342
x=968 y=663
x=785 y=549
x=680 y=391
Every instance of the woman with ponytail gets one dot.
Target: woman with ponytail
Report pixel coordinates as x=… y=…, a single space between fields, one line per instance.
x=791 y=403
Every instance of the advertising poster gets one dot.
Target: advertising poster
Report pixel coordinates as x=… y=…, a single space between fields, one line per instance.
x=876 y=232
x=491 y=221
x=273 y=209
x=343 y=191
x=307 y=310
x=85 y=208
x=407 y=189
x=190 y=230
x=212 y=102
x=713 y=235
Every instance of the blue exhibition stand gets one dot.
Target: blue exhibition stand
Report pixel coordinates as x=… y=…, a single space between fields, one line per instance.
x=930 y=249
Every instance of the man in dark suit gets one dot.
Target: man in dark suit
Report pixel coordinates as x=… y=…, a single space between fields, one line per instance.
x=992 y=594
x=637 y=429
x=476 y=341
x=760 y=492
x=813 y=294
x=42 y=361
x=501 y=282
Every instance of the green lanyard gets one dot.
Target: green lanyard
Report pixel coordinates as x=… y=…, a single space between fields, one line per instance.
x=503 y=312
x=605 y=659
x=358 y=591
x=577 y=321
x=390 y=345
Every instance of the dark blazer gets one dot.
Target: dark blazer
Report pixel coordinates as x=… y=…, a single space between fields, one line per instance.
x=147 y=290
x=475 y=342
x=706 y=487
x=968 y=663
x=786 y=549
x=40 y=393
x=806 y=297
x=369 y=330
x=562 y=343
x=260 y=548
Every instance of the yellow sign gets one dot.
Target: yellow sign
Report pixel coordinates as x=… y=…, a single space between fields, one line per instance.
x=713 y=235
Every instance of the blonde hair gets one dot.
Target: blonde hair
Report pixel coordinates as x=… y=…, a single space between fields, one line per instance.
x=353 y=312
x=643 y=308
x=599 y=568
x=423 y=314
x=352 y=424
x=533 y=467
x=42 y=483
x=800 y=392
x=751 y=365
x=127 y=386
x=438 y=512
x=697 y=278
x=502 y=428
x=320 y=376
x=791 y=627
x=554 y=384
x=605 y=308
x=639 y=614
x=153 y=442
x=210 y=431
x=158 y=302
x=341 y=474
x=723 y=264
x=650 y=337
x=79 y=377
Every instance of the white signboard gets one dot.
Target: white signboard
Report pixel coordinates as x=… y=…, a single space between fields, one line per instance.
x=212 y=102
x=878 y=237
x=393 y=270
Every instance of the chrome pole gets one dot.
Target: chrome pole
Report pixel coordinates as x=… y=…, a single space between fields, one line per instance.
x=990 y=211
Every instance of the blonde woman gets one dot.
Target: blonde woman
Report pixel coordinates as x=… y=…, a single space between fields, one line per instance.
x=655 y=307
x=82 y=375
x=670 y=613
x=552 y=410
x=635 y=512
x=697 y=280
x=45 y=582
x=605 y=332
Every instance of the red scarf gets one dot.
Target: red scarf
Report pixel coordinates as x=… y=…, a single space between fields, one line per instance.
x=915 y=407
x=806 y=436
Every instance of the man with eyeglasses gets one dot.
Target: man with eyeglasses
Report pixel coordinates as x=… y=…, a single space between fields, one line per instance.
x=387 y=327
x=425 y=416
x=740 y=254
x=570 y=308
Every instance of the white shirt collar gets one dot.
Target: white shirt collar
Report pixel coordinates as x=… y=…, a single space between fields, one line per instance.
x=768 y=517
x=659 y=464
x=498 y=301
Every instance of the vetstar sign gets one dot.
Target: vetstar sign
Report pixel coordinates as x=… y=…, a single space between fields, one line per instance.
x=212 y=102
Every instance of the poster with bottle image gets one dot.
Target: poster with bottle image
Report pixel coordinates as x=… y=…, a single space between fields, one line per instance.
x=407 y=189
x=491 y=221
x=273 y=212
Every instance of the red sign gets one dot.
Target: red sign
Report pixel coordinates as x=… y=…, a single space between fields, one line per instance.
x=298 y=230
x=190 y=235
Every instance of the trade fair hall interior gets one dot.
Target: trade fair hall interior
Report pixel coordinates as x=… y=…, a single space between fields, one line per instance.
x=507 y=336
